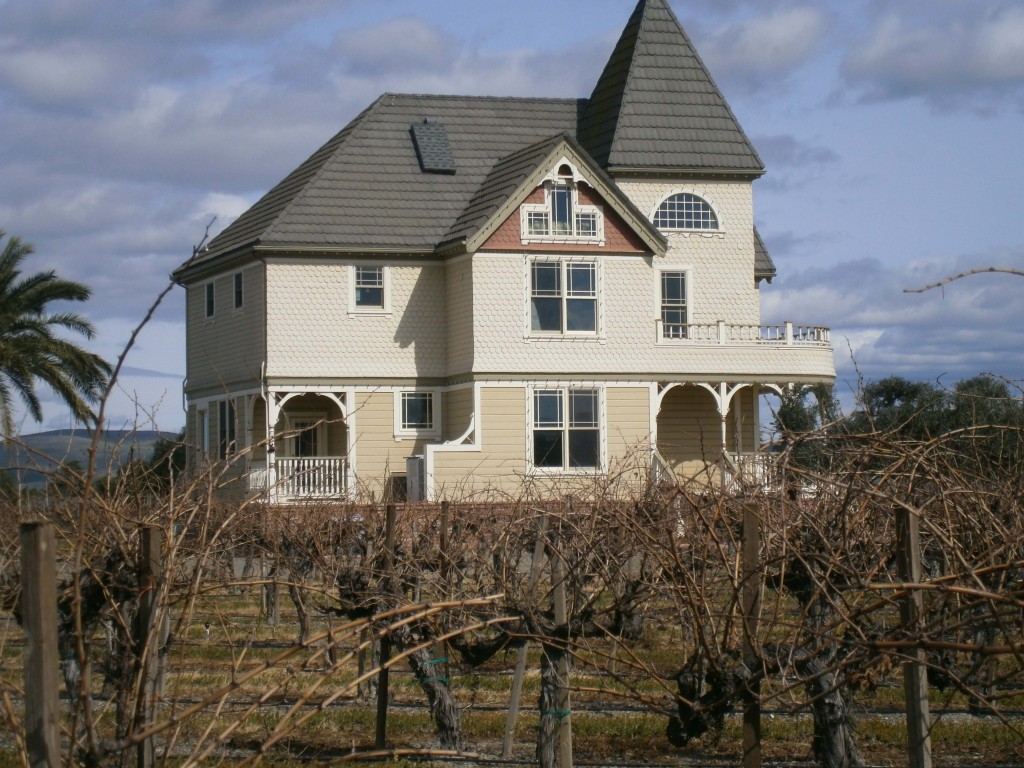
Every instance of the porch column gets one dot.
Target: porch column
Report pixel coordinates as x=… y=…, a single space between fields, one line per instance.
x=273 y=412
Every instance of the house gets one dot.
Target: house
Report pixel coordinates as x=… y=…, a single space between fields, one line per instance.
x=462 y=295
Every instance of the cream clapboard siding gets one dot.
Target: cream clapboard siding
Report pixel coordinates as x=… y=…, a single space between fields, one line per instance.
x=628 y=430
x=457 y=412
x=312 y=334
x=378 y=455
x=498 y=468
x=225 y=351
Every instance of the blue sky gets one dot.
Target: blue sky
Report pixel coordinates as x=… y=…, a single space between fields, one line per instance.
x=892 y=133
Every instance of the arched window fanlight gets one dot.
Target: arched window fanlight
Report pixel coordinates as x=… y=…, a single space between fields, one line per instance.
x=685 y=211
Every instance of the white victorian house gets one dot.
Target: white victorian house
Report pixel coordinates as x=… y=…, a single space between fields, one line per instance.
x=462 y=295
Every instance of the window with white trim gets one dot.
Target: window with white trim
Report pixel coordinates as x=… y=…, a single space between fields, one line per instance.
x=211 y=299
x=561 y=217
x=673 y=304
x=566 y=429
x=563 y=297
x=685 y=210
x=369 y=288
x=416 y=413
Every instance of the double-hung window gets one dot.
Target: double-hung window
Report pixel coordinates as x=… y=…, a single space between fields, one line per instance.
x=370 y=289
x=566 y=430
x=673 y=305
x=563 y=297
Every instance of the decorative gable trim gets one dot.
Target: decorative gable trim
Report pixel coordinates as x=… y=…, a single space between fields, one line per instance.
x=567 y=151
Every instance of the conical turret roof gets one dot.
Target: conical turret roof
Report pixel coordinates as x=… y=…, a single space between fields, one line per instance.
x=657 y=107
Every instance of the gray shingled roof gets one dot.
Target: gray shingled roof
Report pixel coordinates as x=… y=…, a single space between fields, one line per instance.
x=656 y=106
x=764 y=267
x=365 y=190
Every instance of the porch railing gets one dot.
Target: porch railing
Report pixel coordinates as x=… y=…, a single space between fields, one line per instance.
x=785 y=334
x=302 y=477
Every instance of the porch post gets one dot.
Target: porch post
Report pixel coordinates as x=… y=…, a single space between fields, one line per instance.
x=273 y=411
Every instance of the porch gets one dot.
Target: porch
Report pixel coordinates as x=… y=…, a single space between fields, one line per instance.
x=296 y=478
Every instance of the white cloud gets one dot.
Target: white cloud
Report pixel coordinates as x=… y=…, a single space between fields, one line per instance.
x=977 y=52
x=763 y=48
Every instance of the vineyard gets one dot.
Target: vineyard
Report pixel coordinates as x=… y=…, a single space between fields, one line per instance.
x=684 y=626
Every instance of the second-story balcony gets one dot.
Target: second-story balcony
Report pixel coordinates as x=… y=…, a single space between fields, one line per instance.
x=783 y=334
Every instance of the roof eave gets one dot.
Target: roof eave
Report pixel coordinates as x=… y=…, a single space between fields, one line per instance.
x=740 y=174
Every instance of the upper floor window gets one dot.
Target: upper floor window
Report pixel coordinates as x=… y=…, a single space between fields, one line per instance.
x=673 y=304
x=561 y=216
x=211 y=299
x=239 y=296
x=563 y=297
x=370 y=290
x=685 y=211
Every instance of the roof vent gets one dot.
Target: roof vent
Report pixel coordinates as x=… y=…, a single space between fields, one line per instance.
x=432 y=148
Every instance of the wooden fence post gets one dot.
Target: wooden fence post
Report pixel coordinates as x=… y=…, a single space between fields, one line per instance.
x=39 y=608
x=385 y=641
x=520 y=673
x=146 y=639
x=562 y=624
x=915 y=675
x=751 y=596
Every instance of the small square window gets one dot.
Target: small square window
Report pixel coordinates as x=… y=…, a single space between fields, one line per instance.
x=211 y=295
x=369 y=287
x=239 y=296
x=417 y=411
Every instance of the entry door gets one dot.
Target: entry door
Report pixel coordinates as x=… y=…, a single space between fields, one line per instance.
x=307 y=439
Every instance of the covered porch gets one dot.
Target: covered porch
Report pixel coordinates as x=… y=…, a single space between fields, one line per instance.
x=301 y=446
x=711 y=430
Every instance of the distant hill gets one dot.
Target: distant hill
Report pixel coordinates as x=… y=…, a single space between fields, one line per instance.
x=38 y=454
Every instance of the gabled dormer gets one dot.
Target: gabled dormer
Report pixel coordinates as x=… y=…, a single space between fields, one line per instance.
x=552 y=195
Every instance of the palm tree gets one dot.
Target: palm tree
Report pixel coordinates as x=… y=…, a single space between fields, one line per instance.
x=31 y=350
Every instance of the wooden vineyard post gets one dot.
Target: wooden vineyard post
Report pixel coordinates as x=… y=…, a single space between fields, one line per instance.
x=915 y=676
x=146 y=640
x=39 y=608
x=385 y=640
x=517 y=679
x=440 y=649
x=751 y=597
x=562 y=628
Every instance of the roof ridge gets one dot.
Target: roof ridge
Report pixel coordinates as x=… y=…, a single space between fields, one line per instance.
x=474 y=97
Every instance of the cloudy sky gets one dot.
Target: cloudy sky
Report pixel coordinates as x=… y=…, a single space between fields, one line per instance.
x=892 y=133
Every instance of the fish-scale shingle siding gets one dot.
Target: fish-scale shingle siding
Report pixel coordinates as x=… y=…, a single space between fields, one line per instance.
x=312 y=334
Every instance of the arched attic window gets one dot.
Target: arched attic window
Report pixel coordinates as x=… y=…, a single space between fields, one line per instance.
x=684 y=210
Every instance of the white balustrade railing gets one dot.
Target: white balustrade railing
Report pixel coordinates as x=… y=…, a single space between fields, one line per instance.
x=785 y=334
x=301 y=477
